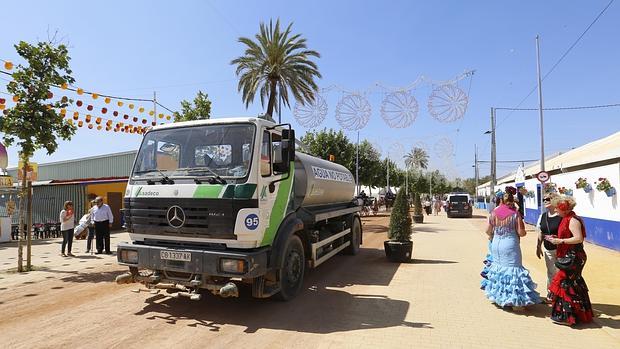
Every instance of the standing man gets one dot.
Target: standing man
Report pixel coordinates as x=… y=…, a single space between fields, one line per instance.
x=102 y=216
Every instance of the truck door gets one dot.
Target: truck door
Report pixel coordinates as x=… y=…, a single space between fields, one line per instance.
x=274 y=193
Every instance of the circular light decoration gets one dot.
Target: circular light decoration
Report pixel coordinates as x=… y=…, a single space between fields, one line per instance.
x=447 y=103
x=399 y=109
x=353 y=112
x=312 y=114
x=443 y=148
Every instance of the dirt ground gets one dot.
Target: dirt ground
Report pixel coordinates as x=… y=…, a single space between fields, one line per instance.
x=349 y=301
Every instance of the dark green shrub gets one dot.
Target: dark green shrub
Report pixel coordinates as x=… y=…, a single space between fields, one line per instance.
x=400 y=221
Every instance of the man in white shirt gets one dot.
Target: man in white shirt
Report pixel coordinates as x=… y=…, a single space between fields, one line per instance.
x=103 y=219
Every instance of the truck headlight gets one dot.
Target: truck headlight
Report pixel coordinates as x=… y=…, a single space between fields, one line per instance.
x=129 y=256
x=234 y=266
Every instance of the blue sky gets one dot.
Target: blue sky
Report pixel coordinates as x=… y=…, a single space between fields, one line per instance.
x=133 y=48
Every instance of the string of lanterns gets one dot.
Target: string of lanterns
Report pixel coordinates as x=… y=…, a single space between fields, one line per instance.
x=100 y=122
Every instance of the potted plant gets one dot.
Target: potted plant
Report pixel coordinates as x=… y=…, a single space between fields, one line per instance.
x=565 y=191
x=400 y=246
x=582 y=183
x=550 y=187
x=603 y=184
x=529 y=194
x=418 y=217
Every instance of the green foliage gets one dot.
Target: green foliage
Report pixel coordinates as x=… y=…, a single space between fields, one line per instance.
x=417 y=158
x=34 y=120
x=417 y=204
x=324 y=143
x=276 y=62
x=370 y=170
x=400 y=220
x=200 y=110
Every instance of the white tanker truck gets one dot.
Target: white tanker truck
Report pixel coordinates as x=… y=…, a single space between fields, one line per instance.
x=214 y=203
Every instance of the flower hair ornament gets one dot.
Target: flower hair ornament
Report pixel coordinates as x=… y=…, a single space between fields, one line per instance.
x=511 y=190
x=563 y=206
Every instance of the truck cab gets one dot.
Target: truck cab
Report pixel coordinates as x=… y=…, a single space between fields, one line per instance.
x=214 y=202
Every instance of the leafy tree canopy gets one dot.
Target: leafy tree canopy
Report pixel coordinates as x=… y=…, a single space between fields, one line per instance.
x=35 y=121
x=199 y=110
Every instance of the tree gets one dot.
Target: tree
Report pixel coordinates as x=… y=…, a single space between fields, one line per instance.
x=200 y=110
x=417 y=158
x=35 y=121
x=278 y=61
x=369 y=165
x=400 y=220
x=324 y=143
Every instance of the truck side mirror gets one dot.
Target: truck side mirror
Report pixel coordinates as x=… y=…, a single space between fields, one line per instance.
x=287 y=151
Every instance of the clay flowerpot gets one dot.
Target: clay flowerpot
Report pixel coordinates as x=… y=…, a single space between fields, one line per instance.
x=398 y=251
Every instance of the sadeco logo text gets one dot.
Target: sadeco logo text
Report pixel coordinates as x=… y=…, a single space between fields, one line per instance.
x=139 y=192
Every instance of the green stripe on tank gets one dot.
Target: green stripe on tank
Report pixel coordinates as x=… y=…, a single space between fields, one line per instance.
x=208 y=191
x=229 y=193
x=279 y=207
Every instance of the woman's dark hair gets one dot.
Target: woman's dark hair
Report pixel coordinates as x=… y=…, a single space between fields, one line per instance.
x=67 y=203
x=509 y=196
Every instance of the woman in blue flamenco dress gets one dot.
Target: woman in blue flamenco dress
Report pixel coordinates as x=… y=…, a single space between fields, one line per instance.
x=508 y=284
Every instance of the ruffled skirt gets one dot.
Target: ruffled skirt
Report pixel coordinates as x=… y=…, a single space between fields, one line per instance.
x=510 y=286
x=485 y=270
x=570 y=302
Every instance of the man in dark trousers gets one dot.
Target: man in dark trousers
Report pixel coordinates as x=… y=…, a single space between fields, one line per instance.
x=102 y=216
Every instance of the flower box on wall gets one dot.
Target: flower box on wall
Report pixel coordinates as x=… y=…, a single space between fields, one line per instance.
x=603 y=184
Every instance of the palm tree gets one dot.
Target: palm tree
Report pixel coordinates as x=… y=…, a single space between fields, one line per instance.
x=416 y=158
x=276 y=62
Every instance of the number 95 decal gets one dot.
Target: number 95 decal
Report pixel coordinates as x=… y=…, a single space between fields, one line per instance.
x=251 y=221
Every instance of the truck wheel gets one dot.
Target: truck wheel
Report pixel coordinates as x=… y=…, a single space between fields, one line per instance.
x=292 y=269
x=355 y=239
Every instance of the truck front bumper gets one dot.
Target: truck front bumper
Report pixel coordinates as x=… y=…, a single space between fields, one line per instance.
x=203 y=262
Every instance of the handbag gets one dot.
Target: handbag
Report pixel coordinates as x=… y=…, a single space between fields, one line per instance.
x=567 y=262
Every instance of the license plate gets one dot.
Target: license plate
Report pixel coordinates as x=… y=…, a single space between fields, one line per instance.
x=176 y=256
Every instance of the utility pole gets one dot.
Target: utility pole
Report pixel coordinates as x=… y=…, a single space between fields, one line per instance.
x=540 y=106
x=357 y=164
x=155 y=107
x=493 y=161
x=387 y=167
x=476 y=170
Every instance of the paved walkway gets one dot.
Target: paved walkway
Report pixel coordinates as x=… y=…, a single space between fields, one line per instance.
x=348 y=302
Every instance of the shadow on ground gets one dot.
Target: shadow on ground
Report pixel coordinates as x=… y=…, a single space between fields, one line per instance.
x=324 y=306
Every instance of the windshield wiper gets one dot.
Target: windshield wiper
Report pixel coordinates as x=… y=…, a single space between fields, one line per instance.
x=164 y=178
x=218 y=179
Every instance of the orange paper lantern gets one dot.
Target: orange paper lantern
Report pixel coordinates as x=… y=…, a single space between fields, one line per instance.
x=107 y=100
x=119 y=103
x=70 y=122
x=95 y=96
x=64 y=86
x=131 y=106
x=15 y=99
x=141 y=110
x=80 y=91
x=8 y=65
x=64 y=99
x=104 y=110
x=75 y=115
x=99 y=127
x=63 y=111
x=167 y=117
x=161 y=116
x=151 y=113
x=2 y=107
x=80 y=123
x=98 y=121
x=88 y=117
x=49 y=95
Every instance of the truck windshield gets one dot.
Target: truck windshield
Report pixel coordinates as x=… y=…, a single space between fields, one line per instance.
x=197 y=151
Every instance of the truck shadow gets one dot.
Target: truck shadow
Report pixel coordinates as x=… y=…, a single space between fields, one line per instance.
x=324 y=306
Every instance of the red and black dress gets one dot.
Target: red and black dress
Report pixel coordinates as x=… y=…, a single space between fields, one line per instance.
x=568 y=291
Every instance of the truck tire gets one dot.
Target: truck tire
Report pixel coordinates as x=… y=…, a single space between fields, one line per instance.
x=355 y=238
x=292 y=269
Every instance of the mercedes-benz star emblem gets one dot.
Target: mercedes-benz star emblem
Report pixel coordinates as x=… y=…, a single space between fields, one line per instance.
x=175 y=216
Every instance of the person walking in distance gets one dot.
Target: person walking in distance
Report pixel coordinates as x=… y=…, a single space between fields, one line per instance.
x=102 y=216
x=66 y=227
